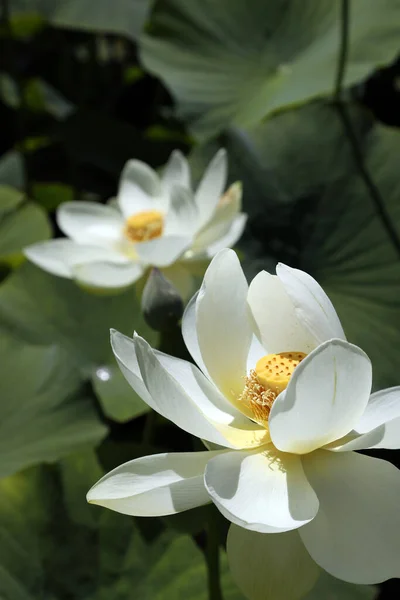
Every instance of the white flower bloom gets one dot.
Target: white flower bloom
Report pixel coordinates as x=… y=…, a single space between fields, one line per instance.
x=288 y=406
x=155 y=221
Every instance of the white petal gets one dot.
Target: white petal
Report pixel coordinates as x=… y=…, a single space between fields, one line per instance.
x=125 y=352
x=211 y=187
x=270 y=567
x=90 y=222
x=176 y=171
x=163 y=251
x=60 y=256
x=182 y=215
x=356 y=533
x=232 y=236
x=162 y=484
x=256 y=351
x=139 y=188
x=379 y=425
x=107 y=275
x=275 y=321
x=170 y=399
x=383 y=406
x=326 y=396
x=313 y=307
x=204 y=393
x=189 y=333
x=264 y=491
x=223 y=328
x=221 y=222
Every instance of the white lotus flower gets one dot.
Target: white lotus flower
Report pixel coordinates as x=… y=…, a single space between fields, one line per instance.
x=289 y=407
x=155 y=222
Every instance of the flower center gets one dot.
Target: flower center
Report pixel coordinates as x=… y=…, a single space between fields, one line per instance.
x=270 y=377
x=144 y=226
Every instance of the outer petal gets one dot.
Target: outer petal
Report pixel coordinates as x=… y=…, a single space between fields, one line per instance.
x=139 y=188
x=90 y=223
x=218 y=226
x=176 y=171
x=274 y=317
x=60 y=256
x=189 y=333
x=273 y=567
x=229 y=239
x=356 y=534
x=182 y=215
x=201 y=414
x=379 y=426
x=162 y=484
x=211 y=187
x=107 y=275
x=264 y=491
x=125 y=352
x=163 y=251
x=326 y=396
x=312 y=305
x=223 y=328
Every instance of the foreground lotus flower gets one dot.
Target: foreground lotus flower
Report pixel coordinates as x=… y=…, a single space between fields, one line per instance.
x=289 y=406
x=155 y=222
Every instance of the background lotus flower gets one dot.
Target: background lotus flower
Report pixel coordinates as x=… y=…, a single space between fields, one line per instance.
x=288 y=406
x=154 y=222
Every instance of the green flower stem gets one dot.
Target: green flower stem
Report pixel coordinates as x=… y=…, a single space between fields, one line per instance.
x=212 y=555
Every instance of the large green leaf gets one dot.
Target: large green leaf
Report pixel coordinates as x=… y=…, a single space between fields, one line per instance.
x=350 y=252
x=240 y=61
x=21 y=223
x=42 y=309
x=42 y=414
x=123 y=17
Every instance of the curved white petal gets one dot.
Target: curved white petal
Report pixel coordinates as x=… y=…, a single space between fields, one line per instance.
x=196 y=415
x=274 y=318
x=383 y=406
x=378 y=427
x=189 y=333
x=182 y=214
x=326 y=396
x=219 y=225
x=163 y=251
x=200 y=389
x=139 y=189
x=211 y=186
x=125 y=352
x=150 y=486
x=176 y=171
x=356 y=533
x=229 y=239
x=107 y=275
x=223 y=328
x=270 y=567
x=264 y=491
x=60 y=256
x=90 y=222
x=312 y=306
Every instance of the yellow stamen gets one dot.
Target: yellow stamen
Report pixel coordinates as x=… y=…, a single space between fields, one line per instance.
x=269 y=378
x=144 y=226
